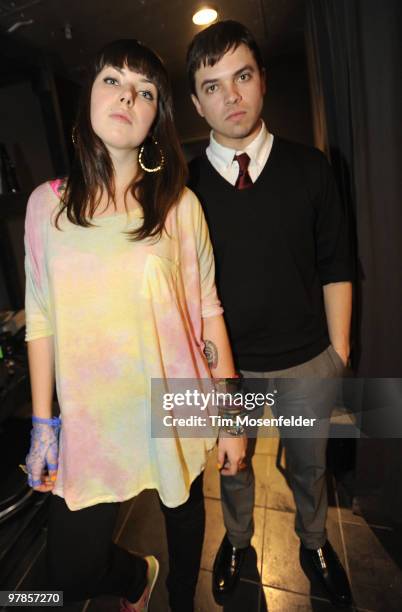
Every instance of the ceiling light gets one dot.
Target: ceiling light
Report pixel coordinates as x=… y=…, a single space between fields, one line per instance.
x=205 y=16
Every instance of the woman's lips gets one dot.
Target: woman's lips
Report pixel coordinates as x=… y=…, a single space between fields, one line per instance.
x=121 y=117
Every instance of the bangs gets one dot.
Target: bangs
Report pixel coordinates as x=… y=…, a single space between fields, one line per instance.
x=138 y=58
x=216 y=52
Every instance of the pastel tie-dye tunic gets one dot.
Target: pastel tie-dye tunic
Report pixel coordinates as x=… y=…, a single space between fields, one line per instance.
x=120 y=313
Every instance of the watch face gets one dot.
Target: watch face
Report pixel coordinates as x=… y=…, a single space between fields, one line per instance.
x=236 y=430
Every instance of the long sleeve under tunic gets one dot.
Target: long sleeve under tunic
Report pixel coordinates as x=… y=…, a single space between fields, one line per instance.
x=119 y=313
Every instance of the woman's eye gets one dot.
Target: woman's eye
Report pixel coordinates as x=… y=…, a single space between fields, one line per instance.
x=110 y=81
x=245 y=76
x=212 y=88
x=147 y=94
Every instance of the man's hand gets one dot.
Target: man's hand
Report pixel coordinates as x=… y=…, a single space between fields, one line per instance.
x=338 y=309
x=231 y=453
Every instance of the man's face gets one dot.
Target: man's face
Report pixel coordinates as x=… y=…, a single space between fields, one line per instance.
x=230 y=97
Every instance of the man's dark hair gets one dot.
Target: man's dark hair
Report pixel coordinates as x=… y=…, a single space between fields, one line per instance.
x=211 y=44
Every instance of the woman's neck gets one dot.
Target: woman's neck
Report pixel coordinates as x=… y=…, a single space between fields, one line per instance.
x=125 y=165
x=125 y=169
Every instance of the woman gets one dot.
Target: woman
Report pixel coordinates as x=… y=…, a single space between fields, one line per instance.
x=120 y=290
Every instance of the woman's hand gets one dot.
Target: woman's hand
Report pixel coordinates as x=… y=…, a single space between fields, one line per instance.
x=231 y=453
x=42 y=459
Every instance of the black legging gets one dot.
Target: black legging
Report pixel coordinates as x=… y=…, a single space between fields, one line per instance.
x=185 y=526
x=83 y=561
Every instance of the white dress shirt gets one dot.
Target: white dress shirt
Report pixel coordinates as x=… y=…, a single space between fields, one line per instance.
x=222 y=158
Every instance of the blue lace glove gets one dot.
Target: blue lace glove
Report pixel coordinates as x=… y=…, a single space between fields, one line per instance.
x=44 y=451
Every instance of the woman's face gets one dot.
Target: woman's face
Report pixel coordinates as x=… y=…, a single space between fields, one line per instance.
x=123 y=108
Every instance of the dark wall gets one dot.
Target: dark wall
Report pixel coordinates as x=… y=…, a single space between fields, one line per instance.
x=12 y=274
x=5 y=303
x=22 y=130
x=355 y=53
x=287 y=107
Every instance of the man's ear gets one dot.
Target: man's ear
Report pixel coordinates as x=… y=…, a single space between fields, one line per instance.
x=197 y=104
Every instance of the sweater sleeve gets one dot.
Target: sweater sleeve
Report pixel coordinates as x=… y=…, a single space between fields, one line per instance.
x=334 y=258
x=38 y=324
x=198 y=258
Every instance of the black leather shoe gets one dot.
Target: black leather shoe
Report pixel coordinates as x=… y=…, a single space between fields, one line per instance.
x=326 y=566
x=226 y=570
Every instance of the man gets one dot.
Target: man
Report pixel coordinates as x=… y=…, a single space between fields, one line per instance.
x=284 y=278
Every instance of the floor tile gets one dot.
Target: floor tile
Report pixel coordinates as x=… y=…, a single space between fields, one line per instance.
x=335 y=534
x=212 y=477
x=376 y=577
x=267 y=446
x=215 y=531
x=281 y=563
x=366 y=508
x=361 y=510
x=281 y=552
x=348 y=516
x=245 y=597
x=284 y=601
x=260 y=467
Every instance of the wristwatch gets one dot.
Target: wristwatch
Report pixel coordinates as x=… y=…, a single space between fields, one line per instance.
x=235 y=430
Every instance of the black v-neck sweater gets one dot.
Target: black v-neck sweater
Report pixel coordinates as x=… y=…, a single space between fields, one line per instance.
x=275 y=244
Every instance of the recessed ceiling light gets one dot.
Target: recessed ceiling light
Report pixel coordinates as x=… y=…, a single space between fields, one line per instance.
x=205 y=16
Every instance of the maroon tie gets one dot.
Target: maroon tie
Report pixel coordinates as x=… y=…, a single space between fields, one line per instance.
x=243 y=180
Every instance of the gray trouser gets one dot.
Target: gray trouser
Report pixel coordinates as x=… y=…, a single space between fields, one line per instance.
x=305 y=456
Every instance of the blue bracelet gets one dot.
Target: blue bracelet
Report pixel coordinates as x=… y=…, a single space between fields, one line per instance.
x=54 y=421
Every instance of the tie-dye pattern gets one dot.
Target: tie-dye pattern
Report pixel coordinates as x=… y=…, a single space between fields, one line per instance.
x=120 y=313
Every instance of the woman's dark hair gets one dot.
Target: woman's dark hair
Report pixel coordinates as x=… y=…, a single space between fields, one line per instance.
x=92 y=172
x=211 y=44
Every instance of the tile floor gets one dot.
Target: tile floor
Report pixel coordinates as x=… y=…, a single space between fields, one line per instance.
x=271 y=577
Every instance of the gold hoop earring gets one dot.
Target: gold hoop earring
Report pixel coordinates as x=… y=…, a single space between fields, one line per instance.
x=156 y=168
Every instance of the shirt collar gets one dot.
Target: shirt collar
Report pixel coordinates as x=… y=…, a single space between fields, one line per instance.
x=255 y=150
